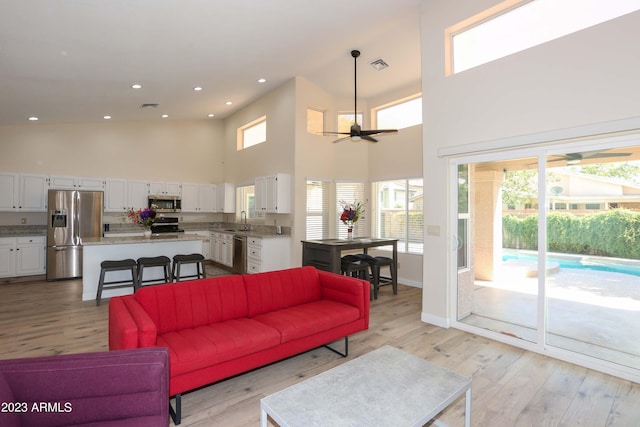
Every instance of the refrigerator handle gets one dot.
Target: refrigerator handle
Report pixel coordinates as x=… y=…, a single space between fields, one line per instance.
x=76 y=219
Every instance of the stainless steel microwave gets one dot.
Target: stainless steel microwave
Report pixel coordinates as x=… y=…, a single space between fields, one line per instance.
x=165 y=203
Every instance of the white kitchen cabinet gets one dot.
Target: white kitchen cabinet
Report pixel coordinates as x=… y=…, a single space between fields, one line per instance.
x=22 y=256
x=7 y=257
x=59 y=182
x=30 y=255
x=23 y=192
x=273 y=193
x=198 y=198
x=115 y=195
x=222 y=248
x=226 y=194
x=157 y=188
x=137 y=194
x=268 y=254
x=9 y=189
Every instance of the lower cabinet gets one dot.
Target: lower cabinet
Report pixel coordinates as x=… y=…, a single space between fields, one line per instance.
x=222 y=248
x=22 y=256
x=268 y=254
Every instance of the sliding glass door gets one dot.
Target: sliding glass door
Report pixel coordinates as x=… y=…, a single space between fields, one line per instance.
x=548 y=250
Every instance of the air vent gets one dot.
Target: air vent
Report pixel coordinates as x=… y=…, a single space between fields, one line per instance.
x=149 y=106
x=379 y=64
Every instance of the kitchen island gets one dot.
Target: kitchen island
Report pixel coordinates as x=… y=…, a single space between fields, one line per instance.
x=96 y=250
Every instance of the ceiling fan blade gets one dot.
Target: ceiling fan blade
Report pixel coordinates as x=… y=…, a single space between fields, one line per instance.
x=346 y=138
x=378 y=131
x=368 y=138
x=604 y=155
x=335 y=133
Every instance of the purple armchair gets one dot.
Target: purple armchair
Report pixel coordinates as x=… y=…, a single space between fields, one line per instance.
x=116 y=388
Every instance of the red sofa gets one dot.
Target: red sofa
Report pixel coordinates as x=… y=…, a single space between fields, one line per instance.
x=219 y=327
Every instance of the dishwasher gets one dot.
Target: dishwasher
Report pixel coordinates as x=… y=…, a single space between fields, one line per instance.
x=239 y=254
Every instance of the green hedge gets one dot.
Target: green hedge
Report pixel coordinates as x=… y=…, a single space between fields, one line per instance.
x=612 y=233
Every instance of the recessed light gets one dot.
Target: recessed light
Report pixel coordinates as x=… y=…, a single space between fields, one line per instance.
x=210 y=115
x=107 y=117
x=228 y=103
x=164 y=116
x=136 y=86
x=33 y=119
x=262 y=80
x=197 y=88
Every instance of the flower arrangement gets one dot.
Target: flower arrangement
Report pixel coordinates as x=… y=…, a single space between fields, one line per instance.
x=351 y=213
x=143 y=217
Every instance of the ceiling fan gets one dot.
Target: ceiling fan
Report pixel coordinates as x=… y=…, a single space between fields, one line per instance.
x=575 y=158
x=356 y=133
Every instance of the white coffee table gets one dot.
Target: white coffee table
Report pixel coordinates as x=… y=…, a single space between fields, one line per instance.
x=386 y=387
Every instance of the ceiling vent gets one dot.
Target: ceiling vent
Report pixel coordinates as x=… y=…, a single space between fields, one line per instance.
x=379 y=64
x=149 y=106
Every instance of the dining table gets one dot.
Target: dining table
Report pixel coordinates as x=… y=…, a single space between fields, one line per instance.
x=326 y=254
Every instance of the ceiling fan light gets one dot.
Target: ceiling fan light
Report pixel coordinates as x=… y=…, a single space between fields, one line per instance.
x=355 y=138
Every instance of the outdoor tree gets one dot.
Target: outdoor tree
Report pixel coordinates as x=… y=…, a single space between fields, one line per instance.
x=519 y=187
x=628 y=171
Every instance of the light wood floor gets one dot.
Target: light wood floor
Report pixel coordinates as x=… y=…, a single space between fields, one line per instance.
x=511 y=387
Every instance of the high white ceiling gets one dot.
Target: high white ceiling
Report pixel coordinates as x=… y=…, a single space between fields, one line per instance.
x=73 y=61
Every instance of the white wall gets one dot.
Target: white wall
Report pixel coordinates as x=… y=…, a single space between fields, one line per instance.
x=183 y=151
x=581 y=79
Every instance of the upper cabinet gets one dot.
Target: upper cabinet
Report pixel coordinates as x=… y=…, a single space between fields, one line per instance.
x=58 y=182
x=23 y=192
x=198 y=198
x=226 y=194
x=165 y=189
x=121 y=195
x=273 y=193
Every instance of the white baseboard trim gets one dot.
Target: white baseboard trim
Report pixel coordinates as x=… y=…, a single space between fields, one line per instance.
x=411 y=283
x=442 y=322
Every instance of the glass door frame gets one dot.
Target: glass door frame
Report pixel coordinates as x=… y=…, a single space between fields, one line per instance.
x=541 y=152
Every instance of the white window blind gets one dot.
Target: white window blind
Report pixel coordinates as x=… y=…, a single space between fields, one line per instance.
x=317 y=210
x=398 y=212
x=350 y=192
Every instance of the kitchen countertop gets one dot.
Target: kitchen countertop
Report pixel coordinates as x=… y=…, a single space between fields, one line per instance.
x=252 y=233
x=119 y=240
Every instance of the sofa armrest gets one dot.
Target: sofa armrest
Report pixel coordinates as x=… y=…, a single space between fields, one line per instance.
x=126 y=387
x=129 y=325
x=347 y=290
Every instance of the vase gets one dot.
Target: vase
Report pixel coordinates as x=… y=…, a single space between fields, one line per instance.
x=147 y=233
x=350 y=233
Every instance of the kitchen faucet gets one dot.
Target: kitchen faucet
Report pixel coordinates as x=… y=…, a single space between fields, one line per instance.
x=246 y=226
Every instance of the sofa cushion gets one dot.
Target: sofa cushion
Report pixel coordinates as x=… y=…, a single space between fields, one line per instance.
x=8 y=418
x=275 y=290
x=308 y=319
x=204 y=346
x=187 y=305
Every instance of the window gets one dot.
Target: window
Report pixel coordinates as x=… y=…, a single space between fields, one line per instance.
x=350 y=192
x=400 y=115
x=317 y=210
x=463 y=217
x=397 y=209
x=252 y=133
x=315 y=121
x=516 y=25
x=346 y=120
x=246 y=201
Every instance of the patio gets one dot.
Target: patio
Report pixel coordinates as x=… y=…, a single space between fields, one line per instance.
x=589 y=312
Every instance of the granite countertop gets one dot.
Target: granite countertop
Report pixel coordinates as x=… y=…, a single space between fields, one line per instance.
x=252 y=233
x=119 y=240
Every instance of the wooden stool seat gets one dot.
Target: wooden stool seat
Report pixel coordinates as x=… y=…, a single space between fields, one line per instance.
x=119 y=265
x=179 y=260
x=149 y=262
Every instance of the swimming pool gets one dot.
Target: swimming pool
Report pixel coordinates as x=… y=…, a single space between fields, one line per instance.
x=583 y=263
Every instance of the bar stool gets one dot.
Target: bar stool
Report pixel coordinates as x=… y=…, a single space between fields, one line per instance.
x=197 y=259
x=121 y=265
x=350 y=265
x=376 y=263
x=149 y=262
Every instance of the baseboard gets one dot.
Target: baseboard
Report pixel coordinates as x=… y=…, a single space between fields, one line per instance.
x=435 y=320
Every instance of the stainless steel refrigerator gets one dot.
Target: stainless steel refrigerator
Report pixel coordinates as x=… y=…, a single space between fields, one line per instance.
x=72 y=216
